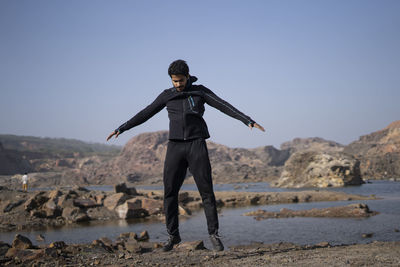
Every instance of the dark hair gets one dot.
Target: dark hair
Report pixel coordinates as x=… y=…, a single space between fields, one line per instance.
x=178 y=67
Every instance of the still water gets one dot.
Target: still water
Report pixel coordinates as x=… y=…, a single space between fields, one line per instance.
x=237 y=229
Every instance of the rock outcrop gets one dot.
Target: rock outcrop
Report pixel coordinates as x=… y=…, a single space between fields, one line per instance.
x=379 y=153
x=349 y=211
x=311 y=144
x=142 y=160
x=316 y=169
x=12 y=162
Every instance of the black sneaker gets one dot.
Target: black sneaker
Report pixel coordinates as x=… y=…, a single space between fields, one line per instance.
x=216 y=242
x=172 y=240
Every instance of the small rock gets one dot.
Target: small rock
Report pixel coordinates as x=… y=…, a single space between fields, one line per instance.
x=106 y=241
x=52 y=252
x=184 y=211
x=194 y=245
x=129 y=235
x=323 y=244
x=133 y=246
x=40 y=238
x=21 y=242
x=144 y=236
x=58 y=245
x=367 y=235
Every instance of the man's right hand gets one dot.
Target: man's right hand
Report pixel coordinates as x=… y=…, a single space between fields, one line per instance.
x=116 y=133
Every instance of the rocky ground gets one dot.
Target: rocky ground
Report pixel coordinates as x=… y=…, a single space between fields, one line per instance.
x=39 y=209
x=130 y=250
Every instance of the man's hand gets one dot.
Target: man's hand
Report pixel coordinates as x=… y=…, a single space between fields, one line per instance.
x=258 y=126
x=116 y=133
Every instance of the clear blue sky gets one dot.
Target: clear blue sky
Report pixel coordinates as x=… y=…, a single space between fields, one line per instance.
x=79 y=69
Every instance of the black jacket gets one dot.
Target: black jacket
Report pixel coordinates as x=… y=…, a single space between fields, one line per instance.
x=185 y=111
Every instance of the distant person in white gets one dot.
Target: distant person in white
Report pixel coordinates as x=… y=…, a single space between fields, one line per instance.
x=25 y=182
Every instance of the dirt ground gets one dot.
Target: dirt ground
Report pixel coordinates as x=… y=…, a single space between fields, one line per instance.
x=283 y=254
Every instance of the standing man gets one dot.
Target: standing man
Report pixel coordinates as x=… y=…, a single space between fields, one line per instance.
x=187 y=147
x=25 y=182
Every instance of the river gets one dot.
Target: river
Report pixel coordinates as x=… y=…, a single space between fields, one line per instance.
x=237 y=229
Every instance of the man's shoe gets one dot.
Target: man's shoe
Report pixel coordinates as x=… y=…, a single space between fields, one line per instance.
x=216 y=242
x=172 y=240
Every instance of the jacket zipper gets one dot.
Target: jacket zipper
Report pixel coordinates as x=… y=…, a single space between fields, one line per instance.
x=183 y=119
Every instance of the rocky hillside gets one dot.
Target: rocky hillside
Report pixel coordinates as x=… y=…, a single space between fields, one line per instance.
x=19 y=154
x=142 y=161
x=378 y=152
x=311 y=144
x=12 y=162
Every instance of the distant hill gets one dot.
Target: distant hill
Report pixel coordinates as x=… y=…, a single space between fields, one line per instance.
x=19 y=154
x=60 y=161
x=61 y=146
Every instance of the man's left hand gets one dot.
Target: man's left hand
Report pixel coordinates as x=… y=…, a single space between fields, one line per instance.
x=258 y=126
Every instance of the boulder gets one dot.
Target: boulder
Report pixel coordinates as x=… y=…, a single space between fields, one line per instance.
x=13 y=205
x=21 y=242
x=55 y=194
x=85 y=203
x=74 y=214
x=112 y=201
x=3 y=248
x=100 y=198
x=51 y=209
x=153 y=206
x=131 y=209
x=317 y=169
x=122 y=188
x=36 y=201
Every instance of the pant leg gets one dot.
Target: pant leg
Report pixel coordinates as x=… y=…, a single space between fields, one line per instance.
x=200 y=167
x=175 y=167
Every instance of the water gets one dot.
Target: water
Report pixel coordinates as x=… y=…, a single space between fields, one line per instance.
x=238 y=229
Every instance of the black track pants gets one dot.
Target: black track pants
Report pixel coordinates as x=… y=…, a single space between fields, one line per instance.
x=180 y=156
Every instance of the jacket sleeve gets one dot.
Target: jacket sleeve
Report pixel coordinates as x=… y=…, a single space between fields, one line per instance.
x=148 y=112
x=223 y=106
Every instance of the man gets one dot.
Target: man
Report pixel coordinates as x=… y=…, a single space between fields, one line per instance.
x=25 y=182
x=186 y=147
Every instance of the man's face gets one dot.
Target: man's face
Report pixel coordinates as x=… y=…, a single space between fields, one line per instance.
x=179 y=81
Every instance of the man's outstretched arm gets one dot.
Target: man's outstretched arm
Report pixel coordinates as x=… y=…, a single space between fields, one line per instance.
x=223 y=106
x=148 y=112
